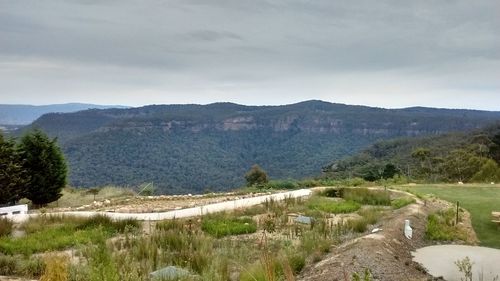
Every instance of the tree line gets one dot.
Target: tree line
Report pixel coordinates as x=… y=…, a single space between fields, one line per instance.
x=33 y=167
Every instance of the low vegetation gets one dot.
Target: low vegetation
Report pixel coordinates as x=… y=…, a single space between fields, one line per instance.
x=333 y=206
x=52 y=233
x=401 y=202
x=5 y=227
x=258 y=243
x=220 y=226
x=367 y=196
x=442 y=226
x=479 y=200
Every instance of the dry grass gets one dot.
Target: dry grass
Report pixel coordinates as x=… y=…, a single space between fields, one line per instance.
x=73 y=197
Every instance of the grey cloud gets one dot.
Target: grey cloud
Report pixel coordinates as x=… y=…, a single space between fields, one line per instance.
x=188 y=46
x=211 y=35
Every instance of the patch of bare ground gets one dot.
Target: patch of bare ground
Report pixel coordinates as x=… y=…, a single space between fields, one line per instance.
x=387 y=254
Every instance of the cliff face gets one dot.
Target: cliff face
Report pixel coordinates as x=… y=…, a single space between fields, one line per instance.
x=188 y=148
x=291 y=123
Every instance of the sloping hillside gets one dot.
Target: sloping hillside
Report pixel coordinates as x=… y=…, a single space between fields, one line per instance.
x=458 y=156
x=188 y=148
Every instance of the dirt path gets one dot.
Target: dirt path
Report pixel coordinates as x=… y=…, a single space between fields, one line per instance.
x=386 y=254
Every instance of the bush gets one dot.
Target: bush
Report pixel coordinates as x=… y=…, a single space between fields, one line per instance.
x=32 y=267
x=367 y=196
x=223 y=226
x=170 y=225
x=358 y=225
x=332 y=206
x=332 y=192
x=354 y=182
x=5 y=227
x=297 y=262
x=401 y=202
x=441 y=227
x=371 y=215
x=281 y=184
x=309 y=183
x=108 y=224
x=8 y=265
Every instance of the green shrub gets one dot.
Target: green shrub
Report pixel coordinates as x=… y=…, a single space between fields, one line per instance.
x=353 y=182
x=16 y=266
x=8 y=265
x=309 y=183
x=224 y=226
x=332 y=192
x=108 y=224
x=366 y=196
x=358 y=225
x=32 y=267
x=297 y=262
x=441 y=227
x=102 y=265
x=332 y=206
x=281 y=184
x=371 y=215
x=401 y=202
x=5 y=227
x=170 y=225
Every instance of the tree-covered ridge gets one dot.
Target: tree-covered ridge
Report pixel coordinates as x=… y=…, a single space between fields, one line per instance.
x=190 y=148
x=455 y=157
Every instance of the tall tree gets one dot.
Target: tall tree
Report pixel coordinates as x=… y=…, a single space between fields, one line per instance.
x=44 y=161
x=495 y=148
x=462 y=165
x=13 y=178
x=256 y=176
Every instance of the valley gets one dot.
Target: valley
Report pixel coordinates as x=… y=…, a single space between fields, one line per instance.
x=193 y=148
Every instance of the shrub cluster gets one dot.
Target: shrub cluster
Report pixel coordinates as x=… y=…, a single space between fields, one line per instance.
x=441 y=227
x=220 y=226
x=333 y=206
x=401 y=202
x=367 y=197
x=5 y=227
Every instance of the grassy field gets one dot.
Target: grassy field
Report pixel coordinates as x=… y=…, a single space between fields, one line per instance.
x=479 y=200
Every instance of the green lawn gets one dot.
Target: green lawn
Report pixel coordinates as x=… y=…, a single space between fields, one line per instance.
x=479 y=200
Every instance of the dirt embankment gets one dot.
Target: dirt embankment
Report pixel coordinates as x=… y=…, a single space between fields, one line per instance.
x=387 y=254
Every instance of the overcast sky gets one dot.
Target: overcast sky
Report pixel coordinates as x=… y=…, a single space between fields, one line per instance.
x=396 y=53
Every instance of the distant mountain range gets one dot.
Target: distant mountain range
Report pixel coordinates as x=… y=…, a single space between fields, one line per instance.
x=190 y=148
x=21 y=114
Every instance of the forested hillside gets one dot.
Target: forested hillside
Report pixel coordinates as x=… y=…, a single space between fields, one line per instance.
x=189 y=148
x=454 y=157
